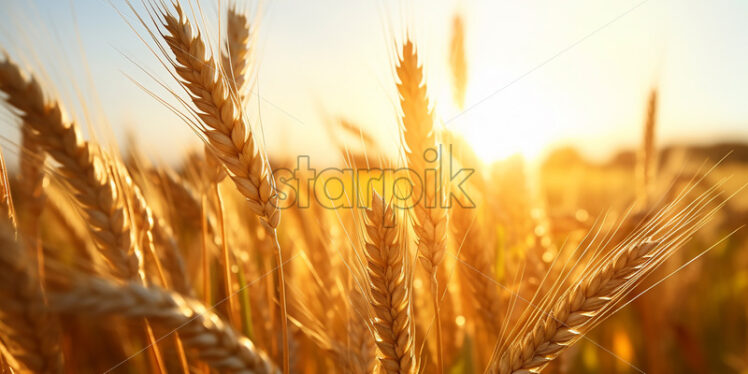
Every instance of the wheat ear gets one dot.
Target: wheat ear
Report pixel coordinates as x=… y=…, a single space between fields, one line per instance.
x=225 y=128
x=647 y=157
x=458 y=61
x=390 y=291
x=238 y=57
x=205 y=335
x=419 y=138
x=30 y=333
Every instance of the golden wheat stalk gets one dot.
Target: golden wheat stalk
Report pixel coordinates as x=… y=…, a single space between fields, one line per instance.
x=606 y=280
x=420 y=145
x=362 y=344
x=227 y=132
x=85 y=173
x=145 y=223
x=350 y=345
x=31 y=335
x=6 y=201
x=573 y=311
x=163 y=236
x=419 y=139
x=224 y=125
x=458 y=61
x=389 y=276
x=647 y=157
x=32 y=181
x=214 y=175
x=238 y=55
x=204 y=334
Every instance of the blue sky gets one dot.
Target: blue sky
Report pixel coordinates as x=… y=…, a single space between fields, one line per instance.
x=326 y=59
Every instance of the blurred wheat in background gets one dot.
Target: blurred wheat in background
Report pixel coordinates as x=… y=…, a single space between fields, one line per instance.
x=241 y=260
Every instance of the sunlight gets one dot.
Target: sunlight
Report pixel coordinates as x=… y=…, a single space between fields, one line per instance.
x=496 y=143
x=519 y=121
x=496 y=136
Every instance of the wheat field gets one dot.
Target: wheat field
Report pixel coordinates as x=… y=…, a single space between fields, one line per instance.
x=426 y=259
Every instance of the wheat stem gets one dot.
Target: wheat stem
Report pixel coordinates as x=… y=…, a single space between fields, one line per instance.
x=282 y=300
x=231 y=308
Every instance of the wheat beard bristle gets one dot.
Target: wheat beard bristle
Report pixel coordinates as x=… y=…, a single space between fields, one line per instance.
x=389 y=289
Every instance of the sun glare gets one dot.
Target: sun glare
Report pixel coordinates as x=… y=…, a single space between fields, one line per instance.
x=506 y=125
x=495 y=137
x=492 y=143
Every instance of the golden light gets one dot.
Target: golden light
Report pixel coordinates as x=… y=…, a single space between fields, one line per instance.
x=460 y=320
x=623 y=348
x=493 y=143
x=503 y=126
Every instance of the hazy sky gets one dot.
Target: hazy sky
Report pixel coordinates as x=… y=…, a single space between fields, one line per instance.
x=320 y=60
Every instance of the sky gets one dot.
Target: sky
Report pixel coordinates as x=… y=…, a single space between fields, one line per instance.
x=542 y=73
